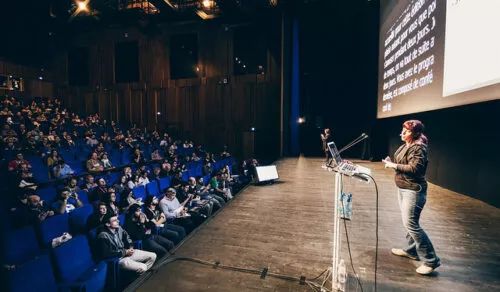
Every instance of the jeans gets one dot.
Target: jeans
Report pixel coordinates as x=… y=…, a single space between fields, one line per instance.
x=411 y=204
x=173 y=232
x=157 y=244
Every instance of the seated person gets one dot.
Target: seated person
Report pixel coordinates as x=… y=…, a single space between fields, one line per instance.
x=111 y=205
x=72 y=187
x=89 y=183
x=16 y=163
x=94 y=164
x=143 y=178
x=106 y=163
x=199 y=189
x=137 y=157
x=177 y=181
x=207 y=168
x=155 y=175
x=62 y=170
x=155 y=155
x=158 y=220
x=98 y=193
x=37 y=211
x=135 y=225
x=128 y=200
x=205 y=207
x=120 y=186
x=195 y=157
x=53 y=159
x=25 y=177
x=114 y=242
x=97 y=218
x=219 y=189
x=166 y=169
x=176 y=211
x=66 y=202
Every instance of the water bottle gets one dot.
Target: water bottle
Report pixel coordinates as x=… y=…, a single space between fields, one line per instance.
x=348 y=208
x=341 y=276
x=341 y=205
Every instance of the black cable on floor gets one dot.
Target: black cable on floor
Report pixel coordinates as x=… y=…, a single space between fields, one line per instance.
x=376 y=230
x=218 y=265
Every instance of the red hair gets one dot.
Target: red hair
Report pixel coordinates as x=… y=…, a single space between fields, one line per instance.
x=417 y=131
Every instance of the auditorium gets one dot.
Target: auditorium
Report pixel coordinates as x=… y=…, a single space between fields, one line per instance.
x=250 y=145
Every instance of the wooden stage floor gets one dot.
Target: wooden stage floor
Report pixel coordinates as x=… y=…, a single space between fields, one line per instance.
x=288 y=227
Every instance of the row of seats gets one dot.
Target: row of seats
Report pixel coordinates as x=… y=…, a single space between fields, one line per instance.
x=153 y=188
x=69 y=266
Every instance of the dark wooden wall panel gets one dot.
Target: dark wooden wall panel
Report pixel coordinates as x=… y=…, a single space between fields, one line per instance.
x=32 y=86
x=204 y=109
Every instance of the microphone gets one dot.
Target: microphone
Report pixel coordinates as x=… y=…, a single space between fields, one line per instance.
x=362 y=137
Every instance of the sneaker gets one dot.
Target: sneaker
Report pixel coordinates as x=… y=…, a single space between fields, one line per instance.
x=324 y=166
x=402 y=253
x=426 y=270
x=24 y=183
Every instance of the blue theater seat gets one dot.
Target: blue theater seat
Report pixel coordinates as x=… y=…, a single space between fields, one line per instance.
x=47 y=194
x=78 y=219
x=75 y=268
x=164 y=183
x=152 y=188
x=21 y=246
x=83 y=196
x=139 y=192
x=36 y=275
x=53 y=227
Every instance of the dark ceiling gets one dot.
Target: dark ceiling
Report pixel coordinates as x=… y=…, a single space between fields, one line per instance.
x=35 y=28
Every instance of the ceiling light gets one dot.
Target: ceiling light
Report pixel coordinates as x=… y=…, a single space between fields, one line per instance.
x=208 y=3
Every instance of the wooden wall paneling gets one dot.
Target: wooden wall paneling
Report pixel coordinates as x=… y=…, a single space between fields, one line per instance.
x=144 y=60
x=104 y=105
x=136 y=107
x=156 y=60
x=162 y=108
x=94 y=65
x=123 y=100
x=107 y=60
x=89 y=103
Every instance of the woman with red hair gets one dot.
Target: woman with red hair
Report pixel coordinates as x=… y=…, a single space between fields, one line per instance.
x=410 y=164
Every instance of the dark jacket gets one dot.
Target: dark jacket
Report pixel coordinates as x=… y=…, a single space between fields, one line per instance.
x=136 y=229
x=95 y=220
x=113 y=244
x=411 y=167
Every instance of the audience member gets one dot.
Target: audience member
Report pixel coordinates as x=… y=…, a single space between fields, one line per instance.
x=135 y=225
x=114 y=242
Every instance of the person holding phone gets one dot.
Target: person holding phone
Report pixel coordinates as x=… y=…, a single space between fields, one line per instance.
x=410 y=165
x=325 y=138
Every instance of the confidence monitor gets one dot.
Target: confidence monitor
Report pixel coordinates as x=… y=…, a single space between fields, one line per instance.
x=266 y=173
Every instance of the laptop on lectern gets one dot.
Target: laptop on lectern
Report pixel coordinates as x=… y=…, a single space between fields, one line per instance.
x=345 y=167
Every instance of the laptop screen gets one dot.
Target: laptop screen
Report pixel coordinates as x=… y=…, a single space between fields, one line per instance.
x=335 y=152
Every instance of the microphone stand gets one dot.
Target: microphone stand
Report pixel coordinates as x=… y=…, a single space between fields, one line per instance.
x=354 y=142
x=349 y=145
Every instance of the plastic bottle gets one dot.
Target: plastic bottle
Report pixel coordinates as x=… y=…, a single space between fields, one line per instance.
x=341 y=205
x=349 y=206
x=341 y=276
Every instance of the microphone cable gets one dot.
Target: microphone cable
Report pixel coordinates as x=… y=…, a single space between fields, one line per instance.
x=348 y=243
x=376 y=228
x=216 y=265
